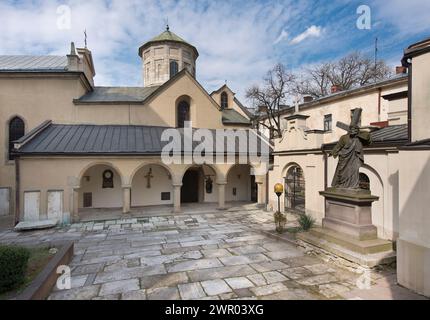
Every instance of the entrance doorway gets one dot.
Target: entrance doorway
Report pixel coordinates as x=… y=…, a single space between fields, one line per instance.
x=295 y=190
x=190 y=186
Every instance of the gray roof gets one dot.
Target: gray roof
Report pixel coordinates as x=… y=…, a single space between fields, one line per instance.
x=33 y=63
x=231 y=116
x=117 y=94
x=59 y=139
x=390 y=134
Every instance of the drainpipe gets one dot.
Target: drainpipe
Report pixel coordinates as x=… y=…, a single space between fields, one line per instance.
x=325 y=168
x=17 y=191
x=407 y=64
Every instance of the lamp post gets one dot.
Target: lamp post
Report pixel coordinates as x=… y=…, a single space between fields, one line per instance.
x=280 y=218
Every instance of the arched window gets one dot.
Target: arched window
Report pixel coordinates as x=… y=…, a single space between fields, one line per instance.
x=16 y=131
x=364 y=181
x=183 y=113
x=224 y=100
x=174 y=68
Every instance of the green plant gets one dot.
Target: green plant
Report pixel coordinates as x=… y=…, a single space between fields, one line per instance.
x=13 y=266
x=306 y=221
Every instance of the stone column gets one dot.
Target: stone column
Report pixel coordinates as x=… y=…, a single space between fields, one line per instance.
x=261 y=185
x=75 y=204
x=221 y=195
x=177 y=197
x=126 y=193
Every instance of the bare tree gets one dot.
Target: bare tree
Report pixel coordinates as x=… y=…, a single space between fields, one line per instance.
x=351 y=71
x=270 y=98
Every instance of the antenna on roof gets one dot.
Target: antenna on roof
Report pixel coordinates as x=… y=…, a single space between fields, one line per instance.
x=376 y=56
x=85 y=34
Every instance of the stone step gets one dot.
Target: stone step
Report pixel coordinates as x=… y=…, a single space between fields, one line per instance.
x=361 y=246
x=368 y=253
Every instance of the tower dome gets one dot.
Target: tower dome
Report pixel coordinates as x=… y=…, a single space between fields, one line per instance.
x=164 y=56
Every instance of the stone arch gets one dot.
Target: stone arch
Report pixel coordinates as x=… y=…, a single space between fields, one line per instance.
x=140 y=166
x=155 y=189
x=242 y=186
x=218 y=173
x=198 y=183
x=101 y=163
x=94 y=192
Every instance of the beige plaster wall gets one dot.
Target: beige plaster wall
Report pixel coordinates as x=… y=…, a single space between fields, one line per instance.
x=312 y=165
x=420 y=97
x=413 y=259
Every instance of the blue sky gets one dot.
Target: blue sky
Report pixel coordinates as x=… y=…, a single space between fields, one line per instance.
x=238 y=40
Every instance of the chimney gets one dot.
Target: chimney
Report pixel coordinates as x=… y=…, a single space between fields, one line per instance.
x=307 y=99
x=401 y=70
x=336 y=88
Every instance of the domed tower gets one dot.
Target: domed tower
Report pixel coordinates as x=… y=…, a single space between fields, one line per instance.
x=164 y=56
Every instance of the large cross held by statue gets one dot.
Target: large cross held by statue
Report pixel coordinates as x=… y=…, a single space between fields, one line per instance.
x=355 y=121
x=149 y=176
x=349 y=149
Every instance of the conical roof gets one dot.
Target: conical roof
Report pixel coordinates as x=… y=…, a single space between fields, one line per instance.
x=168 y=36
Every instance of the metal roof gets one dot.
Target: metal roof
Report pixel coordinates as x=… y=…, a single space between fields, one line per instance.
x=390 y=134
x=117 y=94
x=59 y=139
x=167 y=36
x=231 y=116
x=33 y=63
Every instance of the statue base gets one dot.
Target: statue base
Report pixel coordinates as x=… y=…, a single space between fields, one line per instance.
x=347 y=230
x=349 y=211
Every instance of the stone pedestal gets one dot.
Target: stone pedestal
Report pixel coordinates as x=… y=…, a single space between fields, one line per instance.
x=349 y=212
x=347 y=230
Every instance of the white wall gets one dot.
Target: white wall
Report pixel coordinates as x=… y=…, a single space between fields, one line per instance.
x=238 y=177
x=102 y=198
x=161 y=182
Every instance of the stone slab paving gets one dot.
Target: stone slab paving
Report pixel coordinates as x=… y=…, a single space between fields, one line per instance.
x=201 y=256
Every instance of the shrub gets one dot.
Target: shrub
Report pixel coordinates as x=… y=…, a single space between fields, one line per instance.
x=306 y=221
x=13 y=266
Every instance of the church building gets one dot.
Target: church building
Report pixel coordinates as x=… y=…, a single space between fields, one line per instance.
x=71 y=147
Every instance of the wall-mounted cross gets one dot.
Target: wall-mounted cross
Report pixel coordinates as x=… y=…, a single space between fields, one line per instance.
x=148 y=177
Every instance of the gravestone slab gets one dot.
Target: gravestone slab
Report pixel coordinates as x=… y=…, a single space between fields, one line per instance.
x=31 y=206
x=4 y=201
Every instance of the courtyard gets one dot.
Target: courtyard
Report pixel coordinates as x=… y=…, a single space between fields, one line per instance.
x=218 y=255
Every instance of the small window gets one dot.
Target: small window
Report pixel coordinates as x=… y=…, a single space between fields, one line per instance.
x=224 y=101
x=183 y=113
x=173 y=68
x=328 y=122
x=16 y=131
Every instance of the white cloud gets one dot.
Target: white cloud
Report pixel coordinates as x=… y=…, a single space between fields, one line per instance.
x=312 y=31
x=234 y=44
x=284 y=35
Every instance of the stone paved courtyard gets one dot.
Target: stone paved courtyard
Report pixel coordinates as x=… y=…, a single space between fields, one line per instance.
x=222 y=255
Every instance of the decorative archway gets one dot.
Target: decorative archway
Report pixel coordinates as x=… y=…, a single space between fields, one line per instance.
x=241 y=184
x=295 y=191
x=151 y=184
x=100 y=187
x=199 y=184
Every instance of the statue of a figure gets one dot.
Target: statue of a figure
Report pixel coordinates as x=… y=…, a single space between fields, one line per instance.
x=350 y=152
